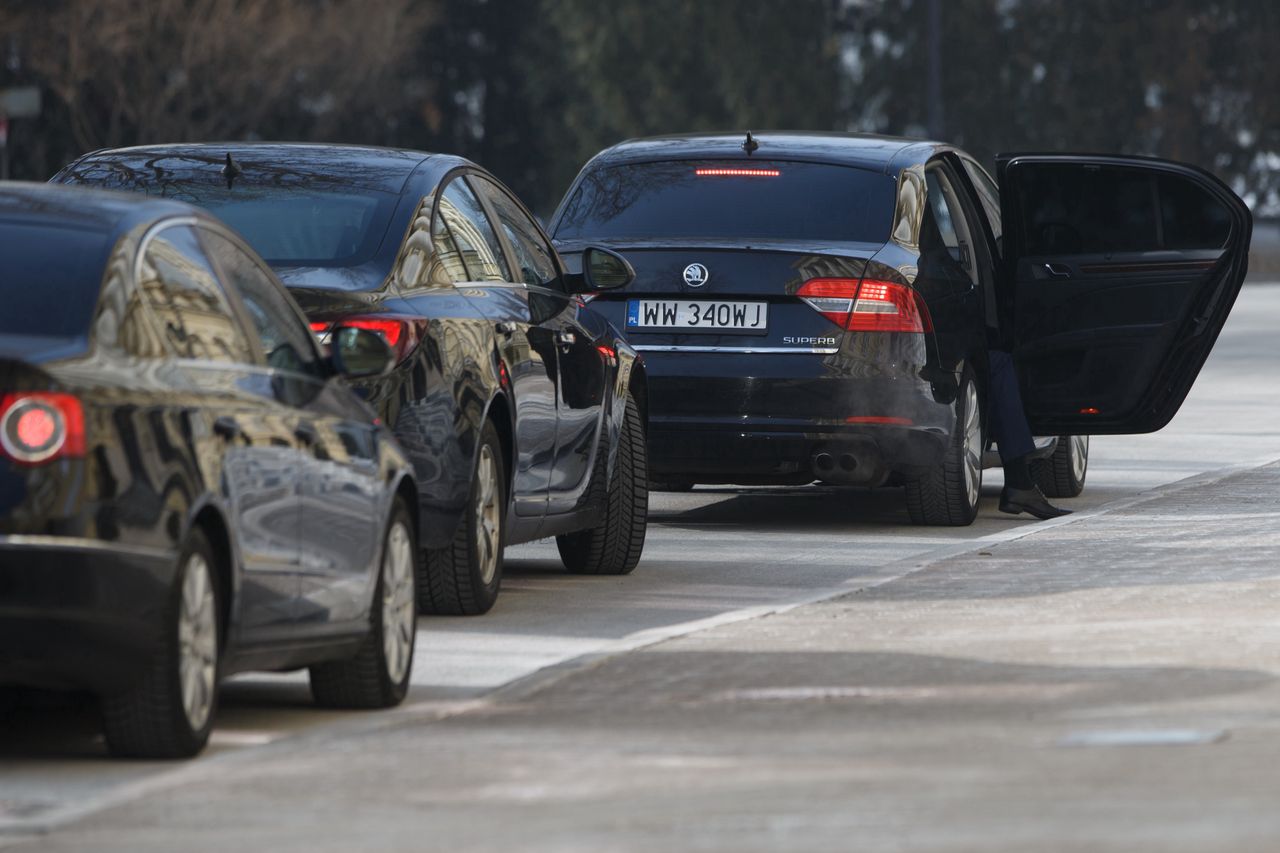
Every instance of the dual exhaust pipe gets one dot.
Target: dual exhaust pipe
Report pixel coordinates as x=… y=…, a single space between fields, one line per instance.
x=825 y=463
x=857 y=465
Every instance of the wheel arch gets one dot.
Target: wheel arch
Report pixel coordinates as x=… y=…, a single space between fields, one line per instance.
x=210 y=521
x=500 y=413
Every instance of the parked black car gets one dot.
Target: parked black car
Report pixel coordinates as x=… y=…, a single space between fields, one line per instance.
x=816 y=306
x=522 y=410
x=187 y=490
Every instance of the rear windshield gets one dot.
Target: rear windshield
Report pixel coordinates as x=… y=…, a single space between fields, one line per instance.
x=295 y=222
x=50 y=277
x=291 y=227
x=731 y=200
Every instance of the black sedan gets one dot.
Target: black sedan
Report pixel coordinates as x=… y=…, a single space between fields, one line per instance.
x=522 y=410
x=187 y=489
x=818 y=306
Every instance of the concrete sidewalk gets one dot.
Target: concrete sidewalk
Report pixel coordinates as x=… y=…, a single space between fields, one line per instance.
x=1106 y=683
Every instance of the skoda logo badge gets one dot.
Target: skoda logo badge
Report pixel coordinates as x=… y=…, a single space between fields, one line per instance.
x=696 y=275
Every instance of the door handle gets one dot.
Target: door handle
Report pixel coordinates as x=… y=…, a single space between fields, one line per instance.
x=227 y=427
x=1058 y=270
x=566 y=339
x=506 y=328
x=305 y=433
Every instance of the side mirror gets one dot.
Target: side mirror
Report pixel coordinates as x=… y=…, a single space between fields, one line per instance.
x=603 y=269
x=357 y=353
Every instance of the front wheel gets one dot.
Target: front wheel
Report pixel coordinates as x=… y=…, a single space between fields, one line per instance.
x=378 y=676
x=1062 y=474
x=169 y=713
x=462 y=578
x=613 y=547
x=948 y=495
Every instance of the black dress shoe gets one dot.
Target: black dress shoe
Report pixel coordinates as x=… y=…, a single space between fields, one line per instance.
x=1029 y=500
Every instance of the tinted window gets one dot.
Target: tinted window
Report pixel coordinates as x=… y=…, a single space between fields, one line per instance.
x=292 y=227
x=533 y=255
x=988 y=194
x=186 y=300
x=285 y=339
x=946 y=243
x=50 y=279
x=1090 y=210
x=803 y=201
x=424 y=260
x=447 y=253
x=1190 y=216
x=472 y=234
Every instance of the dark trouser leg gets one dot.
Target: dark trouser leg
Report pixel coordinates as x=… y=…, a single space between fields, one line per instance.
x=1009 y=420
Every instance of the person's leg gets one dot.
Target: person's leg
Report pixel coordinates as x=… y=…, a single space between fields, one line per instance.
x=1013 y=436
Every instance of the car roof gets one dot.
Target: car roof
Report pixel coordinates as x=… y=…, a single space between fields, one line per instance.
x=81 y=207
x=867 y=151
x=364 y=166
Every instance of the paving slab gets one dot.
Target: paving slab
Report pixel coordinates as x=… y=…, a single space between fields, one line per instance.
x=1106 y=683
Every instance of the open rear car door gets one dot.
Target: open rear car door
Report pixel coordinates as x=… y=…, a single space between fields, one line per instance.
x=1121 y=272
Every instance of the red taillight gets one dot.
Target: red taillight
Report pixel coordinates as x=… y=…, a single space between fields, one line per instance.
x=38 y=427
x=868 y=305
x=401 y=335
x=737 y=173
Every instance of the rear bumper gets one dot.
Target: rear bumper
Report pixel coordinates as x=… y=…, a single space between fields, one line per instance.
x=78 y=613
x=734 y=453
x=760 y=418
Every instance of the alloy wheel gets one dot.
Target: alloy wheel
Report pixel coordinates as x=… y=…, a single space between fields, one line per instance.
x=397 y=601
x=197 y=642
x=972 y=444
x=1079 y=456
x=488 y=515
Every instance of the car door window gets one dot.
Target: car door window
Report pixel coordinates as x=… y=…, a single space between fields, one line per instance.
x=988 y=195
x=1093 y=211
x=183 y=294
x=945 y=233
x=470 y=235
x=533 y=256
x=286 y=340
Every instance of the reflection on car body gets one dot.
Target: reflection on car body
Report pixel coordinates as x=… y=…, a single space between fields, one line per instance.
x=174 y=507
x=521 y=408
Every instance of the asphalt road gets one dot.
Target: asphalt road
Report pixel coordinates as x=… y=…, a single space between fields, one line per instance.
x=716 y=560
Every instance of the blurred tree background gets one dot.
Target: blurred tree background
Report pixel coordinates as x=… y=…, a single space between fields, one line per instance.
x=532 y=88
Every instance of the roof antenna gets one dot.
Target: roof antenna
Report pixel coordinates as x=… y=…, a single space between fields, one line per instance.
x=750 y=145
x=231 y=170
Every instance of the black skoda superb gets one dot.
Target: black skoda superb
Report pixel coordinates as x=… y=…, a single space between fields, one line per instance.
x=819 y=306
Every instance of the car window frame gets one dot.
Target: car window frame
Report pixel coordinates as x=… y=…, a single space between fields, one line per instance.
x=447 y=181
x=944 y=167
x=236 y=315
x=557 y=283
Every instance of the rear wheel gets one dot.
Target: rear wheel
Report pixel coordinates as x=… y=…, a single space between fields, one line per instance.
x=948 y=494
x=613 y=547
x=169 y=713
x=378 y=676
x=1062 y=474
x=462 y=578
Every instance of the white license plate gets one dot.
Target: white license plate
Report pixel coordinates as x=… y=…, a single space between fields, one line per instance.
x=697 y=315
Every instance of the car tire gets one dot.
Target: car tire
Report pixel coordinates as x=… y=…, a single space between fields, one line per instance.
x=613 y=547
x=948 y=494
x=463 y=577
x=169 y=712
x=1062 y=474
x=378 y=676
